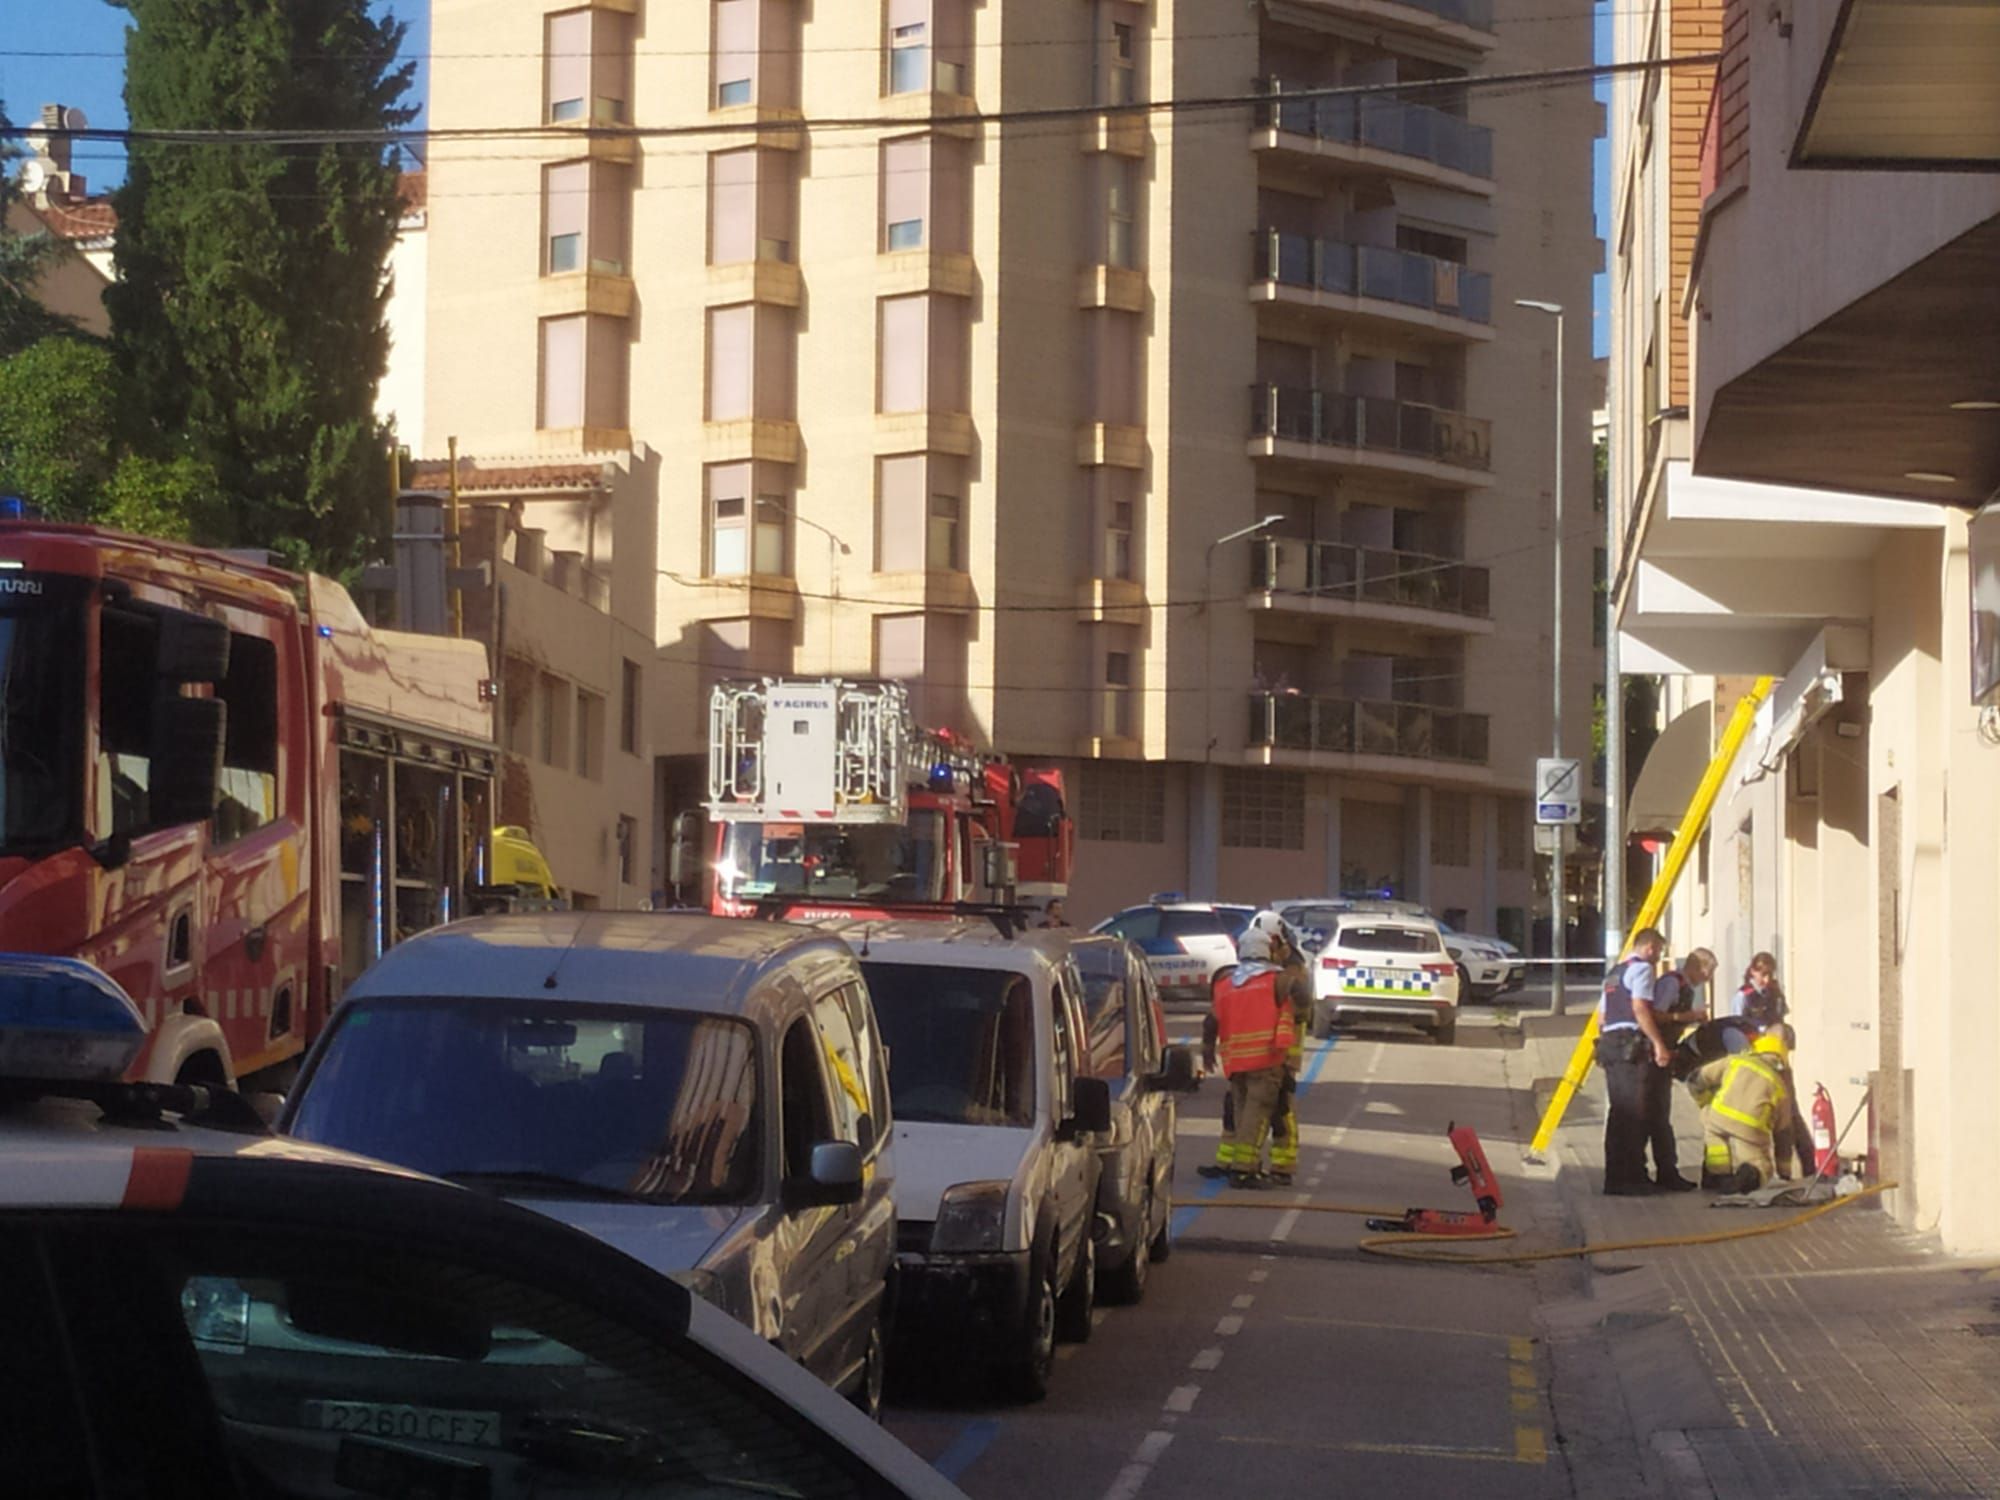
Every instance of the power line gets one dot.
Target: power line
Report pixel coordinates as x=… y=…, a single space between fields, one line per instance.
x=378 y=138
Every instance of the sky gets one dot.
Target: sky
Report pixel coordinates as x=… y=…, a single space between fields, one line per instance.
x=92 y=33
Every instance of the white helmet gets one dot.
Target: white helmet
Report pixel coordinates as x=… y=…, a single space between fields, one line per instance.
x=1254 y=947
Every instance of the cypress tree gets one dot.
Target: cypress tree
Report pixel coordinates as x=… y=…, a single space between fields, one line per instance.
x=249 y=312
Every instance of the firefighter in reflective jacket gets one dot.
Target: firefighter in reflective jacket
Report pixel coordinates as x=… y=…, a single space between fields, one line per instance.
x=1254 y=1031
x=1746 y=1103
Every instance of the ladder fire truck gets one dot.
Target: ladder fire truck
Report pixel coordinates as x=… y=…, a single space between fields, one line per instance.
x=828 y=799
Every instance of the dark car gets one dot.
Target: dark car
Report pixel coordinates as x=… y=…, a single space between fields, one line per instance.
x=1127 y=1047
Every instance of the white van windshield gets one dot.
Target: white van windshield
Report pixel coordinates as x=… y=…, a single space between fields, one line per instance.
x=961 y=1042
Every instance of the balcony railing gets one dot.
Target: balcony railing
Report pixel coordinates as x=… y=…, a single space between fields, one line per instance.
x=1381 y=123
x=1373 y=575
x=1376 y=271
x=1347 y=726
x=1302 y=414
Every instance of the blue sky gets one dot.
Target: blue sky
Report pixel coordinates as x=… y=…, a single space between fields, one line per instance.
x=91 y=76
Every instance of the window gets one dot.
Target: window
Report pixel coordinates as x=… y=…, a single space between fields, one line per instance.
x=943 y=546
x=1121 y=198
x=728 y=555
x=1513 y=819
x=909 y=54
x=1118 y=540
x=587 y=70
x=903 y=346
x=1108 y=991
x=129 y=646
x=731 y=362
x=586 y=217
x=628 y=847
x=848 y=1068
x=583 y=372
x=249 y=790
x=552 y=696
x=1068 y=1038
x=735 y=52
x=750 y=197
x=906 y=191
x=1263 y=809
x=963 y=1040
x=1600 y=588
x=628 y=707
x=738 y=542
x=807 y=1117
x=1451 y=828
x=1117 y=719
x=1123 y=802
x=589 y=734
x=1123 y=64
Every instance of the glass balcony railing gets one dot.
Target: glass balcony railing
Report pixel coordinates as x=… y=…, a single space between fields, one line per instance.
x=1348 y=726
x=1304 y=414
x=1372 y=575
x=1374 y=271
x=1382 y=123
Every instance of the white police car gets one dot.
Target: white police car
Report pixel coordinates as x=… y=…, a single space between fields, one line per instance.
x=1186 y=943
x=253 y=1315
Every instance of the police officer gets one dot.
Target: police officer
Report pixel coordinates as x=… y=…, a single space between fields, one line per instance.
x=1631 y=1049
x=1674 y=1012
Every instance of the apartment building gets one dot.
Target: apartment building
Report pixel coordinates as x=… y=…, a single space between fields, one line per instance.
x=1804 y=515
x=988 y=406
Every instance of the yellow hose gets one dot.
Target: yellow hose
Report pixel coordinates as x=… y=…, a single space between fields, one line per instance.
x=1399 y=1246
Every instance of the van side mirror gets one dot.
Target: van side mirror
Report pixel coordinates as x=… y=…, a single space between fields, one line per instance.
x=193 y=648
x=1090 y=1104
x=186 y=773
x=833 y=1178
x=1177 y=1075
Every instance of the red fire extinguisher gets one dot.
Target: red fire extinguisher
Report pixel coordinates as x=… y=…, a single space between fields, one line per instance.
x=1826 y=1161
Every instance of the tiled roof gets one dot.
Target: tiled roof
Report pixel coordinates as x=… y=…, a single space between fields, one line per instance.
x=92 y=219
x=518 y=475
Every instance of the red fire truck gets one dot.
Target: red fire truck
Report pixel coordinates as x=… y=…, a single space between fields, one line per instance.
x=828 y=799
x=223 y=788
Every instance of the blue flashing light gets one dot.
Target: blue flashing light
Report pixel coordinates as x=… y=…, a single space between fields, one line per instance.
x=941 y=776
x=14 y=508
x=61 y=1018
x=326 y=632
x=1167 y=898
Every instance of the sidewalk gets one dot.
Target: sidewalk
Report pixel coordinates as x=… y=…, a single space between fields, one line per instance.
x=1846 y=1357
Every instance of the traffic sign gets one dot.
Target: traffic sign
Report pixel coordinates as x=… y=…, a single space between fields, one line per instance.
x=1558 y=790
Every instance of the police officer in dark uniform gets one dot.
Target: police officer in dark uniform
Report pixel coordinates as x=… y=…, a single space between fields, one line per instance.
x=1634 y=1054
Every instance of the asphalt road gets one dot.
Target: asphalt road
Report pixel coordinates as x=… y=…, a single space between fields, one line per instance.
x=1270 y=1358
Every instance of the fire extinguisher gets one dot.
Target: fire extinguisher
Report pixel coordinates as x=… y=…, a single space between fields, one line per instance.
x=1826 y=1160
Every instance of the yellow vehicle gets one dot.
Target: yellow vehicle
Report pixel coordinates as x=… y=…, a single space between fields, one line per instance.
x=520 y=879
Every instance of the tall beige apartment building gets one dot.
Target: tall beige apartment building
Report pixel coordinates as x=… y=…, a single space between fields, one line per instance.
x=980 y=404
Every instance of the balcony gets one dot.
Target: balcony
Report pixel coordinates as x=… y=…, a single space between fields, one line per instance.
x=1290 y=729
x=1373 y=284
x=1375 y=133
x=1348 y=581
x=1374 y=434
x=1465 y=23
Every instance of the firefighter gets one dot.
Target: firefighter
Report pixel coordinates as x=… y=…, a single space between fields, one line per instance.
x=1254 y=1030
x=1746 y=1107
x=1296 y=986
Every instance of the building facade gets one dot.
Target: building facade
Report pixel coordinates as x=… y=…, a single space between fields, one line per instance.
x=1806 y=517
x=987 y=406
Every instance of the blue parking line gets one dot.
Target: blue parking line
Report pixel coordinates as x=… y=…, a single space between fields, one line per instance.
x=1212 y=1187
x=973 y=1439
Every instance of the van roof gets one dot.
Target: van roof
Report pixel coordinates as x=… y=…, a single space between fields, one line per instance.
x=960 y=943
x=600 y=957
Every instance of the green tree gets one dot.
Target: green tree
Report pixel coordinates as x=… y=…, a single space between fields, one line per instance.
x=249 y=310
x=24 y=259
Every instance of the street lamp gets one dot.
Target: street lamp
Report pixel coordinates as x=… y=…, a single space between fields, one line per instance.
x=1208 y=628
x=832 y=566
x=1558 y=895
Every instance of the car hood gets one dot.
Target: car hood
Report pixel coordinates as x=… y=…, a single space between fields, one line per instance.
x=663 y=1237
x=932 y=1157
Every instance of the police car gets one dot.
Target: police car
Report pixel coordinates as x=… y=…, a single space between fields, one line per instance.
x=1385 y=966
x=193 y=1296
x=1186 y=943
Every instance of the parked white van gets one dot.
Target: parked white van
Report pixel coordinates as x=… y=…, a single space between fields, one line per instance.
x=997 y=1135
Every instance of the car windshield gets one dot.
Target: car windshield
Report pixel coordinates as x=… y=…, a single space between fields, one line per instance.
x=1312 y=923
x=882 y=861
x=41 y=715
x=961 y=1042
x=544 y=1100
x=1388 y=940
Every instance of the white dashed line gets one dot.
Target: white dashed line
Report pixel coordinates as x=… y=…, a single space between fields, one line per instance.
x=1208 y=1359
x=1260 y=1275
x=1132 y=1478
x=1182 y=1398
x=1232 y=1324
x=1245 y=1302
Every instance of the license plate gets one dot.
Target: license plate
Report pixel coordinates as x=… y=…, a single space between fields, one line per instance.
x=425 y=1424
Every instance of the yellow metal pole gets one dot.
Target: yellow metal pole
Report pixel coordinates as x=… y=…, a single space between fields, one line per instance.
x=1693 y=824
x=451 y=545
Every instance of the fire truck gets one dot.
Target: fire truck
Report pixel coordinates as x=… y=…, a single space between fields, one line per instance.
x=828 y=799
x=226 y=790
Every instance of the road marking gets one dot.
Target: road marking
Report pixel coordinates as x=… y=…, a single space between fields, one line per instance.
x=1521 y=1349
x=1186 y=1214
x=1526 y=1403
x=1260 y=1275
x=1288 y=1221
x=1208 y=1359
x=1245 y=1302
x=973 y=1439
x=1521 y=1377
x=1457 y=1333
x=1132 y=1478
x=1529 y=1448
x=1229 y=1326
x=1182 y=1398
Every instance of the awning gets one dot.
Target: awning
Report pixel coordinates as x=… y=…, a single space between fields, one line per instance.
x=1673 y=769
x=1809 y=690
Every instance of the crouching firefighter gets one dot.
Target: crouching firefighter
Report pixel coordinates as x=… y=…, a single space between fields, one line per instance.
x=1746 y=1116
x=1252 y=1009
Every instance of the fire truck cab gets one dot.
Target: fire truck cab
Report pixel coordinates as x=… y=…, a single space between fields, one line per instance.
x=828 y=799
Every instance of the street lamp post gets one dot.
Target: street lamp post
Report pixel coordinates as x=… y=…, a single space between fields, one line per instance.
x=832 y=565
x=1558 y=894
x=1208 y=668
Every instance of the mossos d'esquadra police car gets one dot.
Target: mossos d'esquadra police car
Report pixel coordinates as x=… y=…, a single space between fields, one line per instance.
x=201 y=1307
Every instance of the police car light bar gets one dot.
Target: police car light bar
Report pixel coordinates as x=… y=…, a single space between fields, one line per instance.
x=62 y=1019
